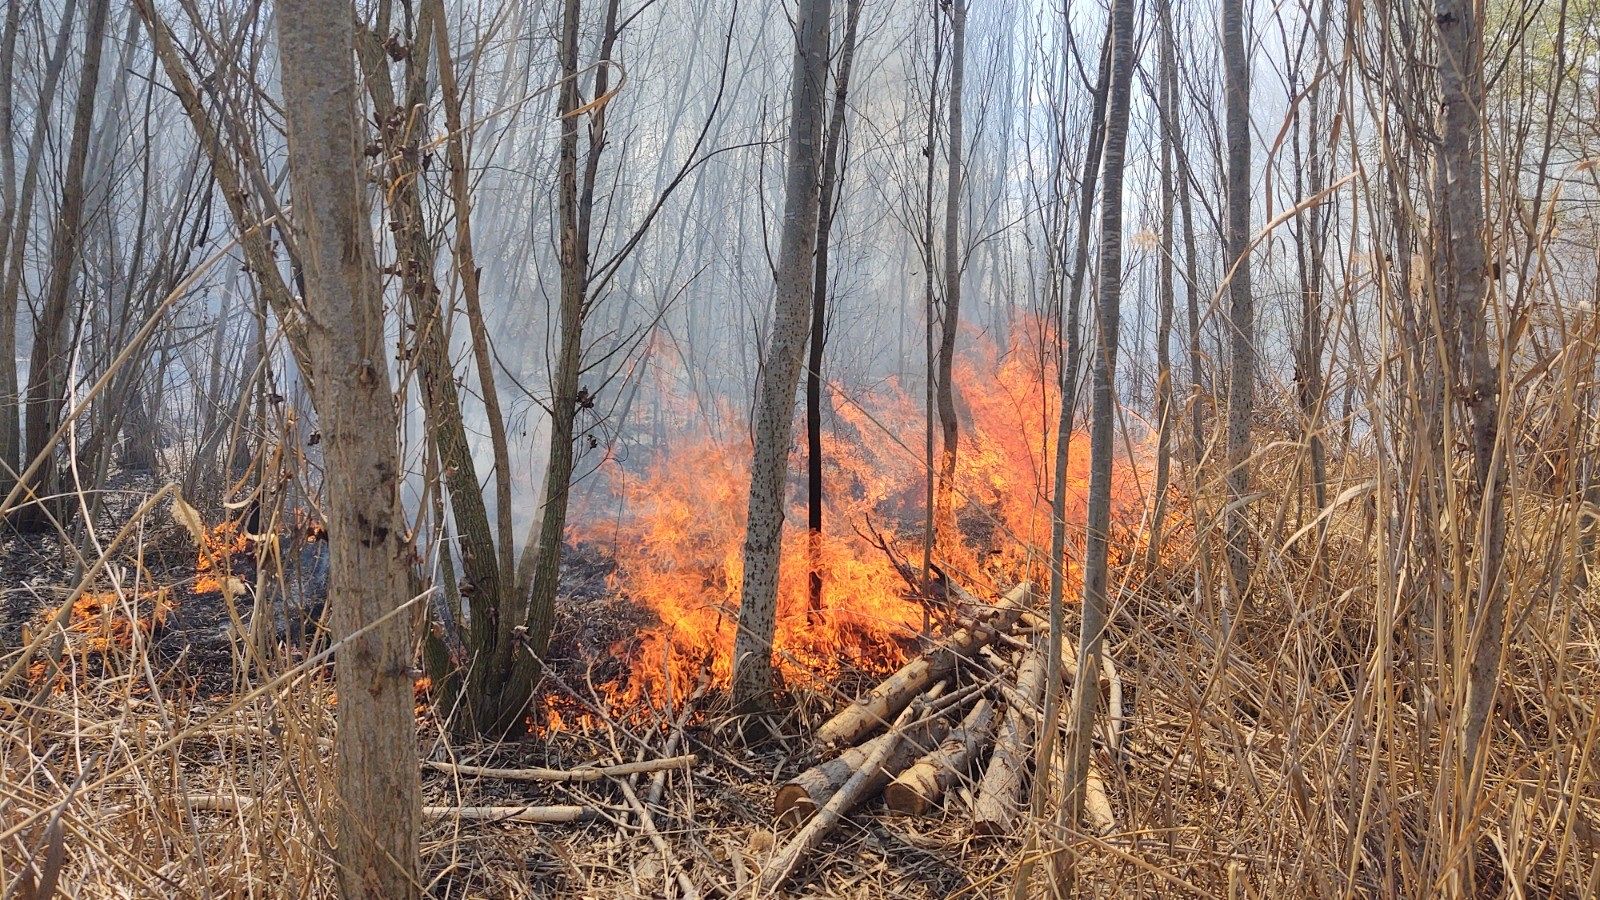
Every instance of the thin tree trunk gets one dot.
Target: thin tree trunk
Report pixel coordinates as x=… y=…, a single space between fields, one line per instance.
x=1171 y=119
x=1164 y=299
x=566 y=396
x=1459 y=262
x=758 y=606
x=1241 y=312
x=47 y=364
x=832 y=172
x=950 y=322
x=254 y=240
x=12 y=227
x=1044 y=749
x=1086 y=688
x=379 y=810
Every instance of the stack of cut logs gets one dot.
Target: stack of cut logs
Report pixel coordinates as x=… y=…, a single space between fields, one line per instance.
x=925 y=732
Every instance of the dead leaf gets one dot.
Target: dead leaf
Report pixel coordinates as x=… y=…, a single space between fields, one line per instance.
x=189 y=518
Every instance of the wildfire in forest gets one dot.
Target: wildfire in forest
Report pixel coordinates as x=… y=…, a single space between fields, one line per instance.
x=678 y=539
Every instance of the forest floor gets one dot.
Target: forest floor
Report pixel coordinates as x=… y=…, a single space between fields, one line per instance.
x=158 y=769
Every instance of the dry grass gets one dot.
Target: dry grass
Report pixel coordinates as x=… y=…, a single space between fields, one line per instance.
x=1298 y=754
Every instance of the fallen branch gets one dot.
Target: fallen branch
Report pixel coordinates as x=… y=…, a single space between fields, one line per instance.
x=919 y=789
x=658 y=782
x=996 y=808
x=857 y=788
x=919 y=727
x=581 y=774
x=553 y=815
x=883 y=702
x=549 y=815
x=648 y=823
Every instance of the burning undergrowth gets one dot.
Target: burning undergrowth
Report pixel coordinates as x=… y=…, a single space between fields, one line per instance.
x=190 y=609
x=672 y=524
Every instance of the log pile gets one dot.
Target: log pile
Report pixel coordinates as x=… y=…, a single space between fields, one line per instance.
x=953 y=729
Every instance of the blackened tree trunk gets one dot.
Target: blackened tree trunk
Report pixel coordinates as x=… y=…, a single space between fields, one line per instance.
x=832 y=174
x=379 y=807
x=758 y=603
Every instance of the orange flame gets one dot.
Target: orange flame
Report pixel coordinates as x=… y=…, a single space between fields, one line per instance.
x=213 y=559
x=678 y=542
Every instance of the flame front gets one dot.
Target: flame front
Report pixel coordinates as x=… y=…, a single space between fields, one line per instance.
x=675 y=525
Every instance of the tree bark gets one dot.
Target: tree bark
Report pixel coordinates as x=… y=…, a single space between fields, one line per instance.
x=1241 y=310
x=1165 y=302
x=1086 y=689
x=380 y=811
x=832 y=173
x=758 y=605
x=950 y=321
x=47 y=363
x=1044 y=749
x=1459 y=263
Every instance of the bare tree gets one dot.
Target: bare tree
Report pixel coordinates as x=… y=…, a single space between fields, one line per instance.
x=832 y=176
x=1460 y=268
x=758 y=603
x=48 y=362
x=1102 y=432
x=379 y=809
x=1164 y=302
x=1241 y=310
x=950 y=313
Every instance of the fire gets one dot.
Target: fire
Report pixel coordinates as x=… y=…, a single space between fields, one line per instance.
x=214 y=557
x=100 y=622
x=678 y=542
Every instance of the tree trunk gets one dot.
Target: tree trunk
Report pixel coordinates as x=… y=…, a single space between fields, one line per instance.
x=832 y=172
x=376 y=745
x=950 y=322
x=12 y=227
x=1044 y=749
x=758 y=605
x=47 y=363
x=1459 y=275
x=566 y=395
x=1241 y=310
x=1164 y=299
x=1171 y=119
x=1086 y=688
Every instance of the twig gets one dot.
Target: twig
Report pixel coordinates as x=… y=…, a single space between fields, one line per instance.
x=648 y=823
x=581 y=774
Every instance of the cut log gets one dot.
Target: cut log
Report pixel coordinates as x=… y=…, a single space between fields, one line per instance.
x=880 y=705
x=799 y=798
x=919 y=789
x=856 y=788
x=995 y=809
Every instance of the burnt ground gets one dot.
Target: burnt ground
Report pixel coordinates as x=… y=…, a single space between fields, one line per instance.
x=718 y=817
